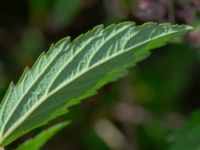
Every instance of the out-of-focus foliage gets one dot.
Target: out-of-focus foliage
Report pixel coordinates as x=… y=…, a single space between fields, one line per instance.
x=56 y=13
x=149 y=106
x=177 y=60
x=187 y=138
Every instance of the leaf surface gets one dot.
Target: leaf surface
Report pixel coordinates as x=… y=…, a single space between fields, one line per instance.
x=37 y=142
x=72 y=71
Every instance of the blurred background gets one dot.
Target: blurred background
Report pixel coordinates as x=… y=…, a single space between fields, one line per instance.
x=155 y=107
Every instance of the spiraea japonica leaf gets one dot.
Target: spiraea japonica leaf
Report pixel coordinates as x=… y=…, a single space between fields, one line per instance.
x=72 y=71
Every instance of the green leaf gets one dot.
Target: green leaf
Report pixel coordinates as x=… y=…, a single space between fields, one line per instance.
x=72 y=71
x=37 y=142
x=188 y=137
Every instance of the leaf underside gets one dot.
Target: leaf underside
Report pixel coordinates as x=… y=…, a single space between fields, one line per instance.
x=72 y=71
